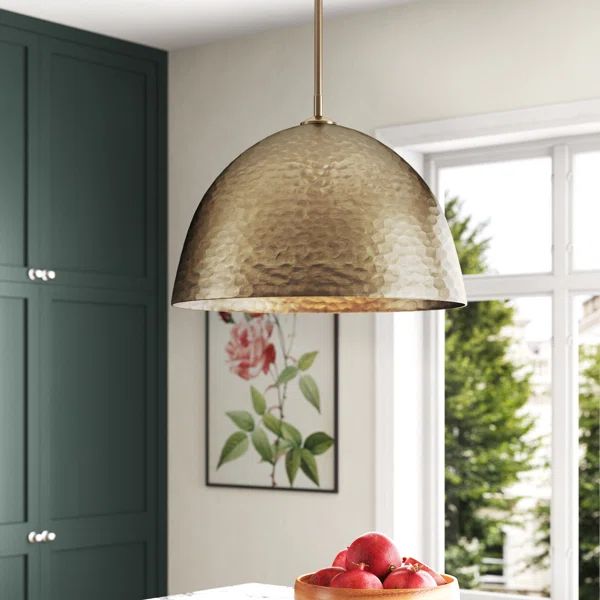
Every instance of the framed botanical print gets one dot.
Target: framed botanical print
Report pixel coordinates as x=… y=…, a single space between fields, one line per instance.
x=271 y=401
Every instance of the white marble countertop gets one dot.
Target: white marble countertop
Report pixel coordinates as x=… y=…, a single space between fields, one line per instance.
x=247 y=591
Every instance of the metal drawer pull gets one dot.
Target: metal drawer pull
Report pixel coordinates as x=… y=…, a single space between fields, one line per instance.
x=41 y=274
x=38 y=538
x=41 y=537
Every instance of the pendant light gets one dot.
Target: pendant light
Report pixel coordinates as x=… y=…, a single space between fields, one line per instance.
x=319 y=218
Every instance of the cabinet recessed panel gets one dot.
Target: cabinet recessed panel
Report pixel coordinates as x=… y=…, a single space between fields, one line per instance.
x=13 y=152
x=98 y=573
x=97 y=409
x=97 y=129
x=13 y=410
x=13 y=577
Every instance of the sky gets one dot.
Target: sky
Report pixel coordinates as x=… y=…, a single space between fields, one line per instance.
x=514 y=200
x=586 y=210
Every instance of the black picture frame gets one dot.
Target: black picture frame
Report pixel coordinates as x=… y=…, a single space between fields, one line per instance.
x=336 y=444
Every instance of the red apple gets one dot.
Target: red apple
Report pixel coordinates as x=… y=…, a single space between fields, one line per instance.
x=408 y=577
x=340 y=559
x=356 y=579
x=324 y=576
x=373 y=552
x=409 y=560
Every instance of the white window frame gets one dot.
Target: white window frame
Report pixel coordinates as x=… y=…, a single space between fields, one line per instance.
x=409 y=347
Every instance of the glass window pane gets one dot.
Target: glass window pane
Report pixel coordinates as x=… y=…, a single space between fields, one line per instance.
x=586 y=210
x=511 y=202
x=498 y=444
x=587 y=314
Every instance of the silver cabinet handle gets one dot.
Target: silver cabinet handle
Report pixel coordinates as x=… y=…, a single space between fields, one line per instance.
x=41 y=537
x=37 y=538
x=41 y=274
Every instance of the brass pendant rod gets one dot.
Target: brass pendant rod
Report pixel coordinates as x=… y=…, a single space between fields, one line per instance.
x=318 y=42
x=318 y=35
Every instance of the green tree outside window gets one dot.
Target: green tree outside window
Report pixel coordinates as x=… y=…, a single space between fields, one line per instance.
x=487 y=446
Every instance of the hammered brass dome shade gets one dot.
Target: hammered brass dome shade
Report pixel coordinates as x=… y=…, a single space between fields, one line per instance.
x=319 y=218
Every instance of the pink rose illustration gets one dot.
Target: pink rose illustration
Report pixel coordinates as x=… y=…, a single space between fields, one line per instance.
x=249 y=349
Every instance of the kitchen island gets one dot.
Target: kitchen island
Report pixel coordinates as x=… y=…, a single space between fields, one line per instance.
x=247 y=591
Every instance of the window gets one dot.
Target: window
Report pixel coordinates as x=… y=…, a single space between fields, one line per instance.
x=522 y=368
x=529 y=182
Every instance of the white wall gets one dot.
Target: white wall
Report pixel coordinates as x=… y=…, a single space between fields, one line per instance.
x=428 y=60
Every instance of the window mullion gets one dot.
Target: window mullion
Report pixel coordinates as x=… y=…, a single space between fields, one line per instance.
x=434 y=509
x=564 y=508
x=434 y=443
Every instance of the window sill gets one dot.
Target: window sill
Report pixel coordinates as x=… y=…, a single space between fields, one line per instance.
x=476 y=595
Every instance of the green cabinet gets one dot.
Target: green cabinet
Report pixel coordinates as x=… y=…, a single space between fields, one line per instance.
x=98 y=442
x=98 y=177
x=19 y=442
x=82 y=315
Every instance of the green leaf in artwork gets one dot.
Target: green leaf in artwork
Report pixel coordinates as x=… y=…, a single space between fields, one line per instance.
x=258 y=401
x=261 y=442
x=279 y=448
x=291 y=434
x=235 y=446
x=308 y=464
x=242 y=418
x=292 y=462
x=287 y=375
x=309 y=389
x=272 y=423
x=318 y=442
x=306 y=360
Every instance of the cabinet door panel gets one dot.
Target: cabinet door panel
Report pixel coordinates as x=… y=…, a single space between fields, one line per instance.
x=116 y=571
x=18 y=58
x=98 y=122
x=13 y=144
x=99 y=407
x=13 y=410
x=98 y=416
x=19 y=442
x=13 y=577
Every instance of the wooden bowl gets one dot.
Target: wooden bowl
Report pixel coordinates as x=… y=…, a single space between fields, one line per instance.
x=306 y=591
